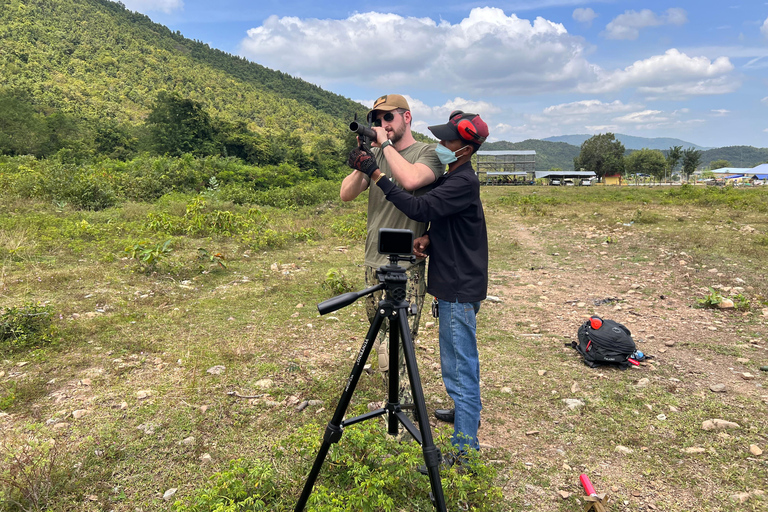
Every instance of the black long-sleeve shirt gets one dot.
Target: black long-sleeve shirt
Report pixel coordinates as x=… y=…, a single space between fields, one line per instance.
x=458 y=249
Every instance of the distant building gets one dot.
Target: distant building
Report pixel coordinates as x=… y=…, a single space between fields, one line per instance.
x=613 y=179
x=560 y=177
x=502 y=167
x=730 y=171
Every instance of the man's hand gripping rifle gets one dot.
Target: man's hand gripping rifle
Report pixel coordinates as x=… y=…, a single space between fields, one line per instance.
x=364 y=133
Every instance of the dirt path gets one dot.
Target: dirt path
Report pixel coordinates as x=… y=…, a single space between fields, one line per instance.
x=567 y=278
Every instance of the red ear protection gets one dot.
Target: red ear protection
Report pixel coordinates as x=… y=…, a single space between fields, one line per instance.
x=464 y=126
x=595 y=322
x=467 y=130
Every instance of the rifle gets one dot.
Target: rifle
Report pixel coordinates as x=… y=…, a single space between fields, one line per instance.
x=365 y=133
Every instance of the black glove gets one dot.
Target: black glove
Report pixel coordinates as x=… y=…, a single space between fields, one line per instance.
x=362 y=160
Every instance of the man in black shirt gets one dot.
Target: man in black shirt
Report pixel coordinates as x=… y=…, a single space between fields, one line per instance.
x=457 y=242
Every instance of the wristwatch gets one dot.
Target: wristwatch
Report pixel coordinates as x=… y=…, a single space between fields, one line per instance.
x=386 y=143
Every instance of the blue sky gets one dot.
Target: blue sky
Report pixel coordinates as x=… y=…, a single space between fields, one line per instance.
x=696 y=71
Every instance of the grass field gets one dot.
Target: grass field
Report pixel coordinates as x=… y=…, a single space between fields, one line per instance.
x=165 y=362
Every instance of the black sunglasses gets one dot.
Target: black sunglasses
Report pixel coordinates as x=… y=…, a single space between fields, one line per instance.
x=388 y=117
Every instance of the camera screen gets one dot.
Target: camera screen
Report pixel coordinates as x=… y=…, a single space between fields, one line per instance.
x=395 y=241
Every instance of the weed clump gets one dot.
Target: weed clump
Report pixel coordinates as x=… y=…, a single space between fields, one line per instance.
x=366 y=471
x=30 y=473
x=26 y=326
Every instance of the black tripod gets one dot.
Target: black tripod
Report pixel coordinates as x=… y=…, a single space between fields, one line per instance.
x=393 y=307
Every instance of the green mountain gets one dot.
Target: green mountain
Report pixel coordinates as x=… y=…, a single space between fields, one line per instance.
x=95 y=62
x=630 y=141
x=548 y=154
x=561 y=154
x=738 y=156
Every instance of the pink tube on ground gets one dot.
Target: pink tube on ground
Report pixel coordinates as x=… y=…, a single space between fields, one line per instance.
x=587 y=485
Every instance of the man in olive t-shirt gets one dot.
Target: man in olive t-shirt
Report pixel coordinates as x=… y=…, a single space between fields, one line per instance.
x=414 y=167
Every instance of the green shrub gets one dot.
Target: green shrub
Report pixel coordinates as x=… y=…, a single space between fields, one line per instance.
x=337 y=282
x=26 y=326
x=641 y=217
x=215 y=258
x=366 y=470
x=149 y=256
x=352 y=227
x=306 y=234
x=88 y=191
x=238 y=193
x=243 y=486
x=102 y=184
x=712 y=300
x=304 y=194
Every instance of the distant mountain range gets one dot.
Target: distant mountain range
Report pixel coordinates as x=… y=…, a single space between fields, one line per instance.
x=551 y=154
x=630 y=141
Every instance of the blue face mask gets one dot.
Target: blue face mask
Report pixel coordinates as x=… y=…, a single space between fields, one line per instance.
x=445 y=155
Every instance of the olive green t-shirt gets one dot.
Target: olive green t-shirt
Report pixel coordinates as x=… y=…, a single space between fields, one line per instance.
x=383 y=214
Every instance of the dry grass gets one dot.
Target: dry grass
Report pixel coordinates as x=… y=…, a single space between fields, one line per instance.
x=135 y=350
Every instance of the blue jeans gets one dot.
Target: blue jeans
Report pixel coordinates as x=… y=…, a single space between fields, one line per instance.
x=460 y=364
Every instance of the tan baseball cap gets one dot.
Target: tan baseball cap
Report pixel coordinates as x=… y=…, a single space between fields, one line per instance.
x=389 y=102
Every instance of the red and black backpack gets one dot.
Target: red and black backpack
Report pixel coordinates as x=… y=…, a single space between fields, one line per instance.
x=605 y=342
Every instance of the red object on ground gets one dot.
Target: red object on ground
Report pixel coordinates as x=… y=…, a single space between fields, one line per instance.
x=595 y=322
x=587 y=485
x=633 y=361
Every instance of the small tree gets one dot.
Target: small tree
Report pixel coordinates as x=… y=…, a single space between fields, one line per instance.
x=180 y=126
x=691 y=159
x=646 y=161
x=22 y=129
x=601 y=154
x=673 y=157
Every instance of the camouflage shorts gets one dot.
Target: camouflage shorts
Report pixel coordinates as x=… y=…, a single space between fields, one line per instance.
x=415 y=291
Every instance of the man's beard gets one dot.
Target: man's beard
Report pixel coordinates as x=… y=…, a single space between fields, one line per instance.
x=396 y=135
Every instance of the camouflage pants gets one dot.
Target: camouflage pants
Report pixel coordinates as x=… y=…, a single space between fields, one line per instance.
x=415 y=291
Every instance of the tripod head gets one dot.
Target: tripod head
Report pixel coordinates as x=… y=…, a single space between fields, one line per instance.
x=392 y=278
x=398 y=244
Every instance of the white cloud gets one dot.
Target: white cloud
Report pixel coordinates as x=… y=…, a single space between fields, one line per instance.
x=603 y=128
x=585 y=16
x=628 y=25
x=765 y=100
x=587 y=107
x=721 y=112
x=672 y=75
x=144 y=6
x=592 y=116
x=644 y=117
x=580 y=113
x=527 y=56
x=487 y=53
x=764 y=28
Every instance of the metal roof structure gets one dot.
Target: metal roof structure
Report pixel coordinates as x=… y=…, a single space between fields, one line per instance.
x=732 y=170
x=564 y=174
x=506 y=152
x=496 y=166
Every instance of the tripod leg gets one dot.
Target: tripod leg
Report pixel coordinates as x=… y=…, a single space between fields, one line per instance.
x=394 y=375
x=431 y=452
x=334 y=430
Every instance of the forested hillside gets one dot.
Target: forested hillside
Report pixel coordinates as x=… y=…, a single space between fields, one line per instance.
x=548 y=154
x=84 y=71
x=630 y=142
x=737 y=156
